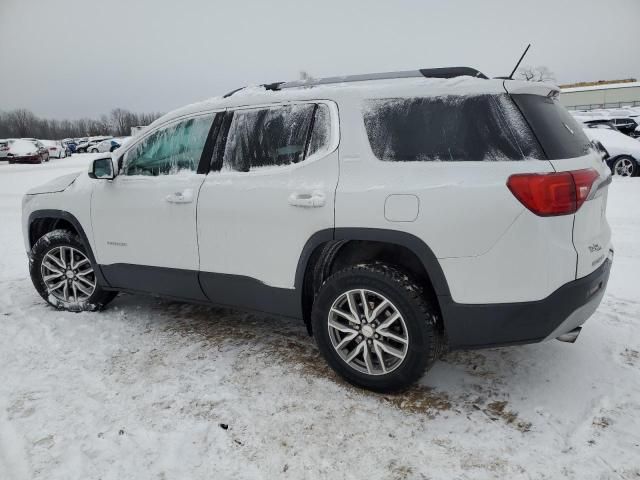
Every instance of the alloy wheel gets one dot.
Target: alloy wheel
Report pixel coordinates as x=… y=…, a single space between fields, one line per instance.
x=368 y=332
x=68 y=275
x=624 y=167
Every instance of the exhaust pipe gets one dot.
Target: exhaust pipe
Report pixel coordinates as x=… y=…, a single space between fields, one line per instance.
x=570 y=337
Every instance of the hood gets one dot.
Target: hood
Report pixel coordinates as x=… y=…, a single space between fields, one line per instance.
x=56 y=185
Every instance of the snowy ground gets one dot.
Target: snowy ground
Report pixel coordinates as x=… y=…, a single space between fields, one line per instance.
x=163 y=390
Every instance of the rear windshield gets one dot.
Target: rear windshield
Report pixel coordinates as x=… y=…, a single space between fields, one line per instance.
x=449 y=128
x=557 y=131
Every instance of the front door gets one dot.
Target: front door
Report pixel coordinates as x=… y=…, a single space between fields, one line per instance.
x=144 y=221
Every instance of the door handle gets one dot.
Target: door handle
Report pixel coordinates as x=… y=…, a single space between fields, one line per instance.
x=307 y=199
x=186 y=196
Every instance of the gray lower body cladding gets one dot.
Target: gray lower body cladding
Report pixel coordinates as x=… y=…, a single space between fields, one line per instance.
x=472 y=326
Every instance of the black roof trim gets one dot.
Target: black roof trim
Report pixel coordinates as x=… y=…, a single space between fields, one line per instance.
x=227 y=95
x=267 y=86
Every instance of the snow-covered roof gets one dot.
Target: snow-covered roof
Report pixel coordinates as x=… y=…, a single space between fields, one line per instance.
x=399 y=87
x=608 y=86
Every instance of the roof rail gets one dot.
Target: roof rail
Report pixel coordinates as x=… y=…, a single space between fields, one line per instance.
x=267 y=86
x=446 y=72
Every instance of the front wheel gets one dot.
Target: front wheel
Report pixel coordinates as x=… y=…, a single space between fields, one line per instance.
x=64 y=275
x=625 y=166
x=94 y=150
x=375 y=327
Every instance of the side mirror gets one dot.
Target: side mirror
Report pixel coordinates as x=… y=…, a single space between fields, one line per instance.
x=102 y=169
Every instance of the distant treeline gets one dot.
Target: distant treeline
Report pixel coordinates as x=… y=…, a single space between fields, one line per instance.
x=23 y=123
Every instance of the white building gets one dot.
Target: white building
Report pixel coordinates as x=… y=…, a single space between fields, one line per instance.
x=611 y=95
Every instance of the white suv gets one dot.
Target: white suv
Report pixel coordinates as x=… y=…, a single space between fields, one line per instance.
x=399 y=215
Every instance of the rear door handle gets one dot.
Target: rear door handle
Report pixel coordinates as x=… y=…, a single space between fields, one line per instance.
x=186 y=196
x=307 y=199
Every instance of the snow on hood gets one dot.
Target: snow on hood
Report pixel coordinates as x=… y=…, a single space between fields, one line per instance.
x=23 y=147
x=56 y=185
x=615 y=142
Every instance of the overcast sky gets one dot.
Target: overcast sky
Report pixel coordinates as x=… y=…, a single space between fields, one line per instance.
x=73 y=58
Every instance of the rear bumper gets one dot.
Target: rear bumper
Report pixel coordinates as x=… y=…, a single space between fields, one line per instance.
x=25 y=159
x=490 y=325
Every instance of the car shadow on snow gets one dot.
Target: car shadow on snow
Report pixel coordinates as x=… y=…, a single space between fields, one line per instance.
x=460 y=382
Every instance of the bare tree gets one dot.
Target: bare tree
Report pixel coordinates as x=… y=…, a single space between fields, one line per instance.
x=23 y=123
x=536 y=74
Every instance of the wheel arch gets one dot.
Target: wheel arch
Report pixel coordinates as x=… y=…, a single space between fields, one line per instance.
x=42 y=222
x=332 y=249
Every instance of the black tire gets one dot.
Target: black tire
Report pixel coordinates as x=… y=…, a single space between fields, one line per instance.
x=420 y=317
x=11 y=162
x=94 y=150
x=64 y=238
x=627 y=164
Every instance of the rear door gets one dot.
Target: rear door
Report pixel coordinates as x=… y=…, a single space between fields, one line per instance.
x=569 y=150
x=272 y=187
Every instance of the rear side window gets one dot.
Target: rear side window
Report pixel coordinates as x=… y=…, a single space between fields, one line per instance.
x=559 y=133
x=449 y=128
x=321 y=131
x=275 y=136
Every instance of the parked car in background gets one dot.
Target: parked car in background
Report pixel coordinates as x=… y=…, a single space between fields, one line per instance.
x=626 y=120
x=81 y=146
x=27 y=151
x=106 y=145
x=626 y=125
x=624 y=152
x=87 y=146
x=70 y=146
x=4 y=148
x=55 y=147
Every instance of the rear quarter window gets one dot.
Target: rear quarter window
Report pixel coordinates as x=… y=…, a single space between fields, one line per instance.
x=558 y=132
x=448 y=128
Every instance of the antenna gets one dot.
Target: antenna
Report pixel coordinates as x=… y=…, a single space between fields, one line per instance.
x=519 y=62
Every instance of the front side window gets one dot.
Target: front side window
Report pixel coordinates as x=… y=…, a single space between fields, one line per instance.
x=170 y=149
x=275 y=136
x=448 y=128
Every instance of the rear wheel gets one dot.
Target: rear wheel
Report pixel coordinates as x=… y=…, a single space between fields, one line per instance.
x=625 y=166
x=94 y=150
x=64 y=275
x=375 y=328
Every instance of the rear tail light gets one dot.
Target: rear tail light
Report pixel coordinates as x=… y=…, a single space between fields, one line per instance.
x=53 y=149
x=550 y=194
